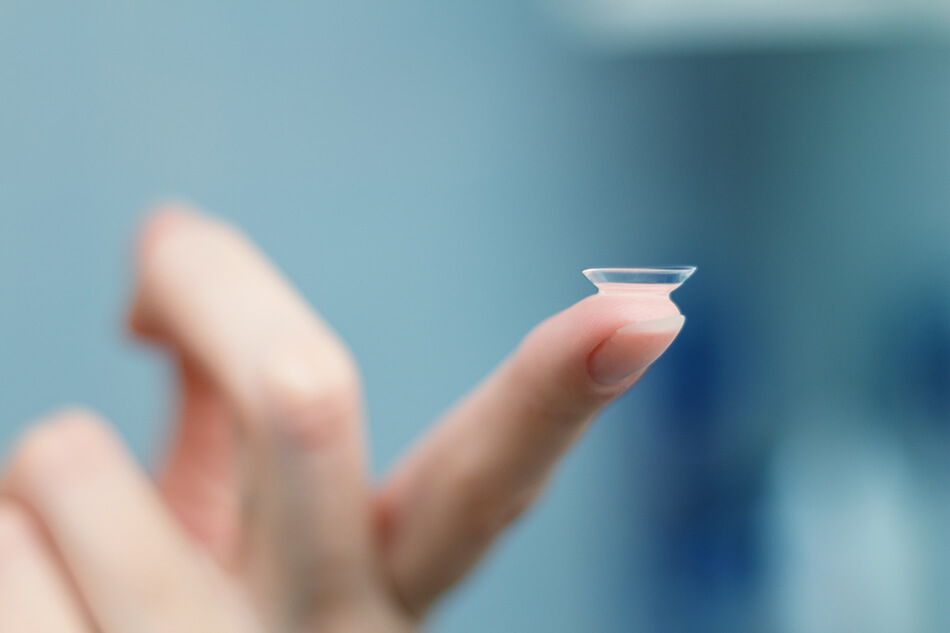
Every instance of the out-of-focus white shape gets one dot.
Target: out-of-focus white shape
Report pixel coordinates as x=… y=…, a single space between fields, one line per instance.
x=848 y=550
x=688 y=23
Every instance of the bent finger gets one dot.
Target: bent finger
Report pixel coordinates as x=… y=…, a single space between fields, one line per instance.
x=208 y=293
x=132 y=565
x=34 y=595
x=200 y=478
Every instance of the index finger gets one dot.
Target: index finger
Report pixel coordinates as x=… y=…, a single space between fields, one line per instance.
x=489 y=458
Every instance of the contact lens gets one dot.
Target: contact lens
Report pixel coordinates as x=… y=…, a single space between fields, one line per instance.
x=649 y=287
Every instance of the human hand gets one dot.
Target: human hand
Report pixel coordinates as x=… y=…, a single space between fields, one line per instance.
x=264 y=518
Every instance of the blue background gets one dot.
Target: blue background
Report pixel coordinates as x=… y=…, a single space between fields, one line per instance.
x=434 y=176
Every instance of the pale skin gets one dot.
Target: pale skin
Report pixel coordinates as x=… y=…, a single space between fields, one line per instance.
x=264 y=517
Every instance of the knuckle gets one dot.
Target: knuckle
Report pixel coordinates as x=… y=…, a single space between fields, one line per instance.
x=314 y=396
x=61 y=450
x=489 y=517
x=490 y=506
x=558 y=399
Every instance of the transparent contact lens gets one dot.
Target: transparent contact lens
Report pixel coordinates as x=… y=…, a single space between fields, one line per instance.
x=650 y=288
x=652 y=280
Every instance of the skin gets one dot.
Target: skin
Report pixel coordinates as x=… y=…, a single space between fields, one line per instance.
x=264 y=517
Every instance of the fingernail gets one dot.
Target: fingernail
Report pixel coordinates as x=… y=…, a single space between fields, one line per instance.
x=632 y=349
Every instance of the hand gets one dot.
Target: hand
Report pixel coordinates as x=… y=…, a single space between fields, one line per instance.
x=263 y=518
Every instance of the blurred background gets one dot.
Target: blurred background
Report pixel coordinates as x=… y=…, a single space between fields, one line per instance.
x=434 y=176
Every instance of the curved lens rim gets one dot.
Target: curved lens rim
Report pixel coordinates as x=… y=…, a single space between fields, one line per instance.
x=661 y=275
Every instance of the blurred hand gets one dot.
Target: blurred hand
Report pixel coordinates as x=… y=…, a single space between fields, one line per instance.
x=263 y=518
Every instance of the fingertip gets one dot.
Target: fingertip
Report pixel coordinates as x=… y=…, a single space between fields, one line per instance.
x=629 y=351
x=58 y=451
x=162 y=220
